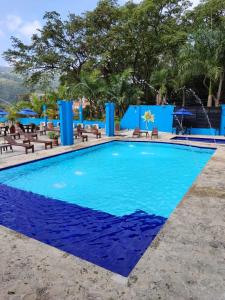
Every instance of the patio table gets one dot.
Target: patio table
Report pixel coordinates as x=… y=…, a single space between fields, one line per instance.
x=144 y=132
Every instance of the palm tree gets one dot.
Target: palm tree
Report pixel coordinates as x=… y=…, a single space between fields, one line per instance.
x=200 y=56
x=161 y=80
x=91 y=87
x=121 y=90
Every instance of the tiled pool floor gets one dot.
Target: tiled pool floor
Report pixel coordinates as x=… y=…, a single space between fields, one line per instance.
x=115 y=243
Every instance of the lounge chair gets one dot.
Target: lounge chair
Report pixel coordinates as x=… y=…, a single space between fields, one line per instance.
x=155 y=133
x=94 y=131
x=20 y=132
x=29 y=138
x=13 y=142
x=4 y=147
x=15 y=135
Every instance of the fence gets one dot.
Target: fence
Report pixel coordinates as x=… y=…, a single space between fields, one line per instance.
x=205 y=120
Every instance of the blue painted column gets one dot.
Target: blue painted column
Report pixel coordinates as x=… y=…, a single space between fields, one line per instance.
x=81 y=119
x=109 y=122
x=66 y=122
x=139 y=116
x=222 y=120
x=44 y=108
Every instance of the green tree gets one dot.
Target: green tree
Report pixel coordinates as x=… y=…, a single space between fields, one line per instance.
x=122 y=91
x=57 y=49
x=123 y=53
x=207 y=46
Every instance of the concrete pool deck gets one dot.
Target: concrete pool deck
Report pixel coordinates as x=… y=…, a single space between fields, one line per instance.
x=185 y=261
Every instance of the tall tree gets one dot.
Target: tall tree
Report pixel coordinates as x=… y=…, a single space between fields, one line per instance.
x=162 y=44
x=58 y=48
x=207 y=46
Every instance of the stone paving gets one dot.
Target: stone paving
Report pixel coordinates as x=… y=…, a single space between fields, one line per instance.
x=18 y=155
x=185 y=261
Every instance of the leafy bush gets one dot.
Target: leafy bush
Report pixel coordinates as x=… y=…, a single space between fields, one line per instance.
x=53 y=135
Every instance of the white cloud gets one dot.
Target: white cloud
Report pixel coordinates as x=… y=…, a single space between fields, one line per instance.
x=195 y=2
x=12 y=22
x=29 y=28
x=1 y=33
x=16 y=26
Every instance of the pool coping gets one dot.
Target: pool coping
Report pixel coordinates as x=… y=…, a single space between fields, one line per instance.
x=107 y=142
x=183 y=262
x=198 y=139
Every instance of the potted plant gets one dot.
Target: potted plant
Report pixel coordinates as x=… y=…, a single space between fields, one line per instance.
x=54 y=137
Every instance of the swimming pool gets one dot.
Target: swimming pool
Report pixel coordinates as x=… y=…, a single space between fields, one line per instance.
x=196 y=139
x=105 y=203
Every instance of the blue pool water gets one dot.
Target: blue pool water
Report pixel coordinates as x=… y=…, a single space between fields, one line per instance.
x=104 y=204
x=118 y=178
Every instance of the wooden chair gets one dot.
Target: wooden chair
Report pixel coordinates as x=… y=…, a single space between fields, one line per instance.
x=96 y=132
x=84 y=137
x=136 y=132
x=155 y=133
x=29 y=138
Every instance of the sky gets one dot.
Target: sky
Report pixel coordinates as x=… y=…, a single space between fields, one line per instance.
x=21 y=18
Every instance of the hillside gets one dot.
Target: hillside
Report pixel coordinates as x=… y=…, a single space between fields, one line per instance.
x=11 y=85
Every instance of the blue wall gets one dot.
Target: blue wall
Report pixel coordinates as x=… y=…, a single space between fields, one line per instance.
x=37 y=121
x=222 y=122
x=132 y=119
x=163 y=117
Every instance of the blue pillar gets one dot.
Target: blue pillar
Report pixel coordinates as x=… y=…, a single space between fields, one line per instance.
x=44 y=108
x=81 y=113
x=222 y=120
x=109 y=122
x=66 y=122
x=139 y=116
